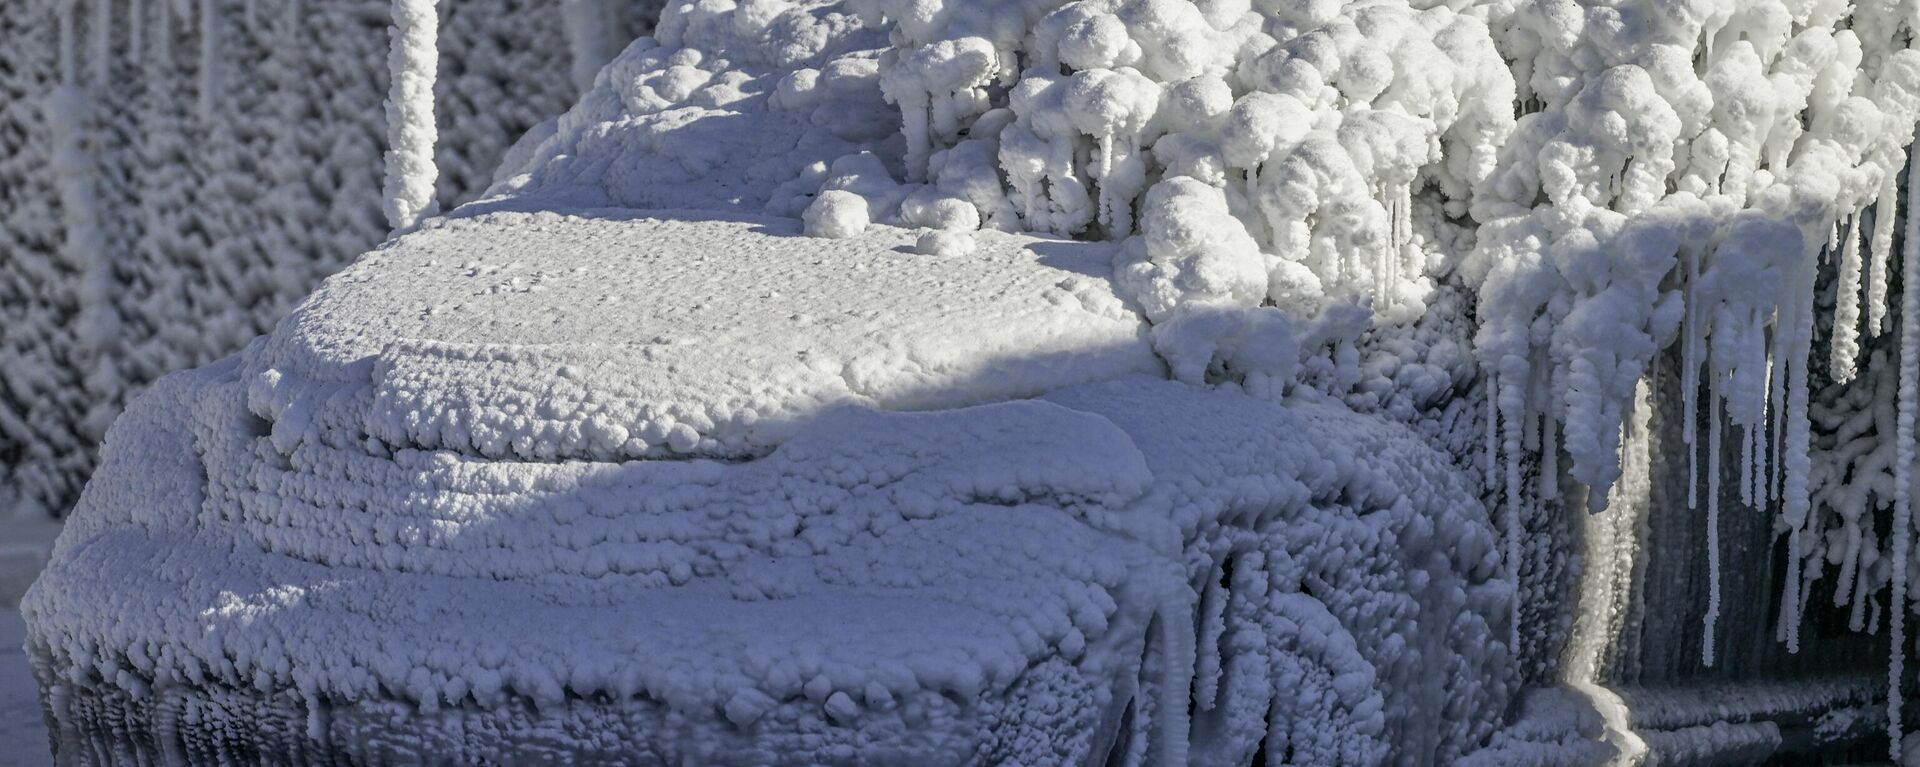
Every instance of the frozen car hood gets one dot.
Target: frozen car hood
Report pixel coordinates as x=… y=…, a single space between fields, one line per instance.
x=626 y=335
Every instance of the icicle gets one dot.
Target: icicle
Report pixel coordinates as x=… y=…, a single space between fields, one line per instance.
x=1379 y=290
x=915 y=126
x=68 y=115
x=1492 y=454
x=1858 y=584
x=1406 y=216
x=1401 y=247
x=1690 y=379
x=1795 y=494
x=1879 y=253
x=1253 y=190
x=1387 y=270
x=1755 y=492
x=1120 y=207
x=1549 y=458
x=1776 y=401
x=1763 y=468
x=586 y=25
x=210 y=59
x=1610 y=541
x=101 y=25
x=1213 y=625
x=1846 y=309
x=1142 y=733
x=1405 y=247
x=1389 y=256
x=413 y=63
x=1746 y=466
x=163 y=39
x=1903 y=458
x=1530 y=426
x=1176 y=683
x=136 y=30
x=1341 y=267
x=1812 y=565
x=69 y=57
x=1513 y=419
x=289 y=28
x=317 y=718
x=1713 y=521
x=1786 y=632
x=1108 y=194
x=1064 y=191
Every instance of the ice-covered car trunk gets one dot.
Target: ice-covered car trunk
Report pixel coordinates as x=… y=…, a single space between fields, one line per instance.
x=529 y=488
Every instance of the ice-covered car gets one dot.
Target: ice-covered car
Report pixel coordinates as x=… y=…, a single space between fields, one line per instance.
x=525 y=488
x=619 y=466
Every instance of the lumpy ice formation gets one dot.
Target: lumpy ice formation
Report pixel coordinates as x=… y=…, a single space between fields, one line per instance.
x=1398 y=257
x=1676 y=176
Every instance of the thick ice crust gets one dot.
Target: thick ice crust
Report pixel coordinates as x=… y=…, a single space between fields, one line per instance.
x=910 y=577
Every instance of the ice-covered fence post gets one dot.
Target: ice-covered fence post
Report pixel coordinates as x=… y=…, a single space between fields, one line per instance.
x=413 y=62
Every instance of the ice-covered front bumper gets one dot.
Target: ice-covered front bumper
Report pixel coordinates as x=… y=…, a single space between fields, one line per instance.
x=557 y=523
x=842 y=597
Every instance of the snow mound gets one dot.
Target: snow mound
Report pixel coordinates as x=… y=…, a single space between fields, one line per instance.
x=541 y=336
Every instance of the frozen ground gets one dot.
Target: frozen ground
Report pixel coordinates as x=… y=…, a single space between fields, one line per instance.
x=23 y=734
x=22 y=554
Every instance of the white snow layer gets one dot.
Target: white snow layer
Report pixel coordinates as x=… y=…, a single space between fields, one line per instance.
x=994 y=581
